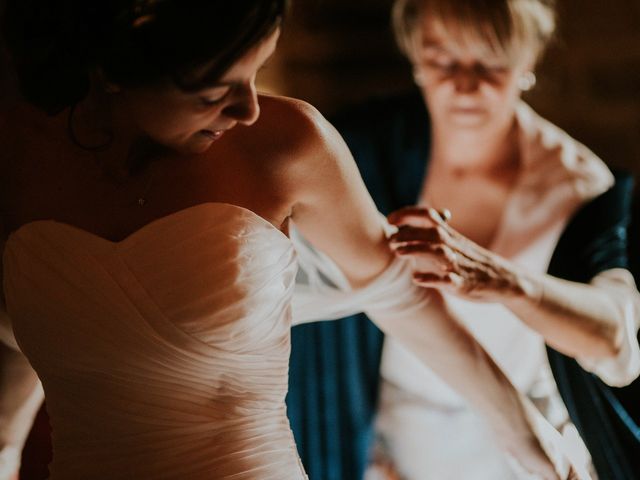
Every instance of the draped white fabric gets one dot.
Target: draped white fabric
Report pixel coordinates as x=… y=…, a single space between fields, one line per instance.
x=164 y=356
x=322 y=292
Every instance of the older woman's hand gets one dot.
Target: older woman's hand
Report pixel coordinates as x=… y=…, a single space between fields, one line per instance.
x=446 y=260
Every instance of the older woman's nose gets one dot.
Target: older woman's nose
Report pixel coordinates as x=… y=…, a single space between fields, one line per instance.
x=465 y=80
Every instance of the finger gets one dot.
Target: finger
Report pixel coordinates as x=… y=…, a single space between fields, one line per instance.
x=415 y=215
x=409 y=234
x=441 y=256
x=427 y=259
x=445 y=215
x=456 y=280
x=444 y=283
x=440 y=217
x=465 y=246
x=432 y=280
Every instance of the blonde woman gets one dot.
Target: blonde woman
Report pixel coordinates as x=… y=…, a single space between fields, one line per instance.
x=520 y=192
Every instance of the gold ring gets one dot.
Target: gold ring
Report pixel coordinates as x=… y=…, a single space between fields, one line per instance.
x=445 y=214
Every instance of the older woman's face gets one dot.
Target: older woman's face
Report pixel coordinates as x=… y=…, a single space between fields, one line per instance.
x=189 y=122
x=463 y=89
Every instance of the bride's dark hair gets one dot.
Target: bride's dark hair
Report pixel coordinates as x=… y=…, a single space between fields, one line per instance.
x=56 y=44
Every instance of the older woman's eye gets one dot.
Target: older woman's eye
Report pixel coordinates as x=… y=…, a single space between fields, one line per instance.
x=492 y=68
x=497 y=69
x=494 y=75
x=445 y=64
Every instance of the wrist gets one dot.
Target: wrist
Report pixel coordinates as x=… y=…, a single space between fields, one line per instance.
x=526 y=289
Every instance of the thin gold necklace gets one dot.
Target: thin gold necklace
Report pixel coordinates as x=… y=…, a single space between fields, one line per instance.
x=124 y=179
x=138 y=163
x=142 y=199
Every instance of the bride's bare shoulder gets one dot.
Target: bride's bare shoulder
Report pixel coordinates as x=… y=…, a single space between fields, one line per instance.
x=292 y=132
x=287 y=109
x=295 y=123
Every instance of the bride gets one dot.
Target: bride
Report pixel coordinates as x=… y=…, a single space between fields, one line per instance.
x=148 y=195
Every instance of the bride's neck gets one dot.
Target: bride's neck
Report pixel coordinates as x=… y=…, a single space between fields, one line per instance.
x=97 y=124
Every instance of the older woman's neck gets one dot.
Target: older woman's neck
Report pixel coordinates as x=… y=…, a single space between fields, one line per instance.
x=477 y=149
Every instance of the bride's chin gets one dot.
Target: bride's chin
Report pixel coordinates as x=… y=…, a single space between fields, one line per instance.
x=192 y=147
x=201 y=148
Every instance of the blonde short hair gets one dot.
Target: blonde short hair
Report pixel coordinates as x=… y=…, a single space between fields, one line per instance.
x=506 y=28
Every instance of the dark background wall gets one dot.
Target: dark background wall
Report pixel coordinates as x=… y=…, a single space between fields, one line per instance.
x=336 y=52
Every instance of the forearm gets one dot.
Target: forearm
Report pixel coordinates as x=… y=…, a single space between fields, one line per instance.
x=20 y=398
x=580 y=320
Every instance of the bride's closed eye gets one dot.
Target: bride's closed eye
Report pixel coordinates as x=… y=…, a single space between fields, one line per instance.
x=214 y=96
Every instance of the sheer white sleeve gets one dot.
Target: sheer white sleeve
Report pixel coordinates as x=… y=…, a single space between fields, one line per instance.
x=625 y=366
x=323 y=293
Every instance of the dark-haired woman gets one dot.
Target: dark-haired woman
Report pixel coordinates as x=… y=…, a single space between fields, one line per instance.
x=148 y=272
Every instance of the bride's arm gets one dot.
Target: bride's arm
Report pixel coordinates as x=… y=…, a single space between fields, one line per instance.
x=20 y=396
x=20 y=391
x=20 y=399
x=334 y=211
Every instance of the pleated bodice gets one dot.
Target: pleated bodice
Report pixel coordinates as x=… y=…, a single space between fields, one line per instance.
x=165 y=355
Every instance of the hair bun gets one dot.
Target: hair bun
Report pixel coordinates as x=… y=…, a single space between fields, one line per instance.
x=53 y=44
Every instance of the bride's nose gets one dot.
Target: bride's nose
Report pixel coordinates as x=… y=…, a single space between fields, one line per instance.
x=244 y=107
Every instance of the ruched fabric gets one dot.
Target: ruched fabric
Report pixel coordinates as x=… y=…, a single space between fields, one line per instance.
x=165 y=355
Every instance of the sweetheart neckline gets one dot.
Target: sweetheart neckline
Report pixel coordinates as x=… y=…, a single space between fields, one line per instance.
x=147 y=226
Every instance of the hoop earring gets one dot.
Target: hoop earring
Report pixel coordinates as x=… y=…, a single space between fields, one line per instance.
x=74 y=138
x=527 y=81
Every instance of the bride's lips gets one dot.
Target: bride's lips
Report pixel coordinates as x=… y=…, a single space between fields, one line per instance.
x=212 y=134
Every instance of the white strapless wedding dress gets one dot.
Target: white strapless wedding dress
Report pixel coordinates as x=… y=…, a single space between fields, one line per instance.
x=163 y=356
